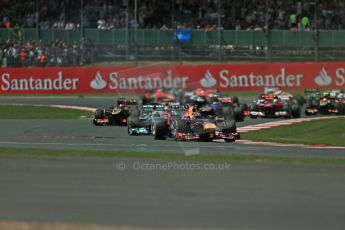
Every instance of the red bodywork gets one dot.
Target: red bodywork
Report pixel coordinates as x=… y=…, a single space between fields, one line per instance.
x=269 y=106
x=158 y=96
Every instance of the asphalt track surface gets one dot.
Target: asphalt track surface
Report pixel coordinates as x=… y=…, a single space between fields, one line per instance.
x=81 y=135
x=160 y=193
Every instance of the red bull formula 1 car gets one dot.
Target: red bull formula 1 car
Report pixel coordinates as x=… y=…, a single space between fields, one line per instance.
x=194 y=126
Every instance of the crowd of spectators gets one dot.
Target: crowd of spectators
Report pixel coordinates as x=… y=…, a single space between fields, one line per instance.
x=195 y=14
x=56 y=53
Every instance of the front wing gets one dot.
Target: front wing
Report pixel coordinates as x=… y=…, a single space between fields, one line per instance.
x=139 y=131
x=228 y=137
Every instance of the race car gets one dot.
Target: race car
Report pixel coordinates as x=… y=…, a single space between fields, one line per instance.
x=240 y=110
x=192 y=125
x=312 y=97
x=275 y=91
x=116 y=115
x=200 y=96
x=272 y=106
x=157 y=97
x=340 y=103
x=141 y=122
x=294 y=103
x=211 y=97
x=332 y=102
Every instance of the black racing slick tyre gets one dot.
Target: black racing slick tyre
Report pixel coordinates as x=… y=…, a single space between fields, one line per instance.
x=99 y=113
x=179 y=125
x=295 y=111
x=300 y=100
x=159 y=129
x=238 y=111
x=287 y=109
x=132 y=122
x=228 y=113
x=340 y=108
x=182 y=126
x=228 y=127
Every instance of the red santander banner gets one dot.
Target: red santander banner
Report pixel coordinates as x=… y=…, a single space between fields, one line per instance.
x=129 y=79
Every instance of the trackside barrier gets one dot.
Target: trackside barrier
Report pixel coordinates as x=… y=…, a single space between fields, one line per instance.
x=128 y=79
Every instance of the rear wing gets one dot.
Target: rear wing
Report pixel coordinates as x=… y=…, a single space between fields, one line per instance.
x=269 y=90
x=334 y=93
x=153 y=107
x=125 y=101
x=171 y=107
x=225 y=99
x=131 y=102
x=311 y=91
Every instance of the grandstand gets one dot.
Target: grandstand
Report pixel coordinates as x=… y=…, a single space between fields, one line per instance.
x=49 y=33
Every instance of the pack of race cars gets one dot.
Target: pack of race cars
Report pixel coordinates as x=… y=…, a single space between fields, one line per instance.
x=207 y=115
x=277 y=103
x=327 y=102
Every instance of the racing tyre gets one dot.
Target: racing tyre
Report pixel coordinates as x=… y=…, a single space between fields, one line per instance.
x=340 y=107
x=179 y=126
x=99 y=113
x=238 y=111
x=125 y=113
x=129 y=129
x=228 y=127
x=343 y=109
x=252 y=108
x=129 y=126
x=182 y=126
x=287 y=108
x=132 y=122
x=300 y=100
x=295 y=111
x=159 y=130
x=228 y=113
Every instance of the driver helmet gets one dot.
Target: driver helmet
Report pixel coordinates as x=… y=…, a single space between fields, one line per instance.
x=191 y=112
x=215 y=105
x=275 y=99
x=121 y=104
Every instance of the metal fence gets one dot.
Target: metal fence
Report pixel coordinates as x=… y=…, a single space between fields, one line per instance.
x=225 y=45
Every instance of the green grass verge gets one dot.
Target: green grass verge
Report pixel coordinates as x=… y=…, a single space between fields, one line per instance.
x=166 y=156
x=328 y=132
x=40 y=112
